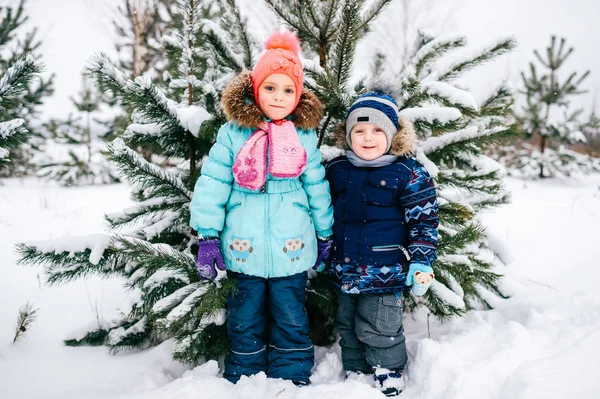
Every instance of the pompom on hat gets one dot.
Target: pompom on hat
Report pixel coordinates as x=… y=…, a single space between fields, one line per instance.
x=280 y=56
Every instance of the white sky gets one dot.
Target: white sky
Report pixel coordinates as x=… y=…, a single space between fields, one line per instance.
x=73 y=30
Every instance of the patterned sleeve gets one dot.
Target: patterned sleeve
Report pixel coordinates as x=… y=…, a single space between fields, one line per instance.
x=421 y=214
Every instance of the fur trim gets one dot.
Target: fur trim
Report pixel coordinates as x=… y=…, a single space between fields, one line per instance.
x=404 y=141
x=239 y=105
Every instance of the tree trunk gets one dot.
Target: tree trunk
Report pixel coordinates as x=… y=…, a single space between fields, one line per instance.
x=323 y=55
x=543 y=143
x=191 y=138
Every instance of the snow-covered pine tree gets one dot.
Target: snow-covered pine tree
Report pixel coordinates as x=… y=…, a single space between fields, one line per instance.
x=150 y=243
x=591 y=131
x=74 y=154
x=15 y=44
x=547 y=117
x=140 y=26
x=454 y=132
x=13 y=82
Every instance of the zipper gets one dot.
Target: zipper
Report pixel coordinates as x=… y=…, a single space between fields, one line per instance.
x=384 y=248
x=268 y=236
x=393 y=247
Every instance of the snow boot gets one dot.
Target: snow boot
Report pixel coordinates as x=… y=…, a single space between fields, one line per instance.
x=389 y=382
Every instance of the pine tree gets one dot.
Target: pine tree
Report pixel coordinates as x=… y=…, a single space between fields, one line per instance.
x=13 y=82
x=15 y=45
x=454 y=132
x=591 y=131
x=140 y=26
x=73 y=155
x=150 y=244
x=547 y=117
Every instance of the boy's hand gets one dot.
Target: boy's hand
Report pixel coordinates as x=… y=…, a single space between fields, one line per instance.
x=420 y=277
x=324 y=246
x=209 y=255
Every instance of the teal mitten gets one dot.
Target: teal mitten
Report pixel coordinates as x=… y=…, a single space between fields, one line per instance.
x=420 y=277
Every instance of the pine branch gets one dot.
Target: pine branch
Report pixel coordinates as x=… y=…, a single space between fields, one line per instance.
x=372 y=13
x=17 y=78
x=145 y=213
x=430 y=51
x=433 y=144
x=240 y=32
x=486 y=55
x=470 y=233
x=146 y=175
x=282 y=11
x=97 y=256
x=343 y=49
x=27 y=315
x=225 y=54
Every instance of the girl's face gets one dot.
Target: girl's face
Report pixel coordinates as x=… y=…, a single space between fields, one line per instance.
x=277 y=96
x=369 y=141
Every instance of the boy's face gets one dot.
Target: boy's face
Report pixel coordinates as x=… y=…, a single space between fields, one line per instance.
x=277 y=96
x=368 y=141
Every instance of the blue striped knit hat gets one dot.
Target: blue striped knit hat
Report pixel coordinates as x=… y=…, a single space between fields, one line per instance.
x=377 y=108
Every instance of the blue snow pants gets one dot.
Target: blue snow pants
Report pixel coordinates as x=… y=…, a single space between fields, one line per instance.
x=267 y=326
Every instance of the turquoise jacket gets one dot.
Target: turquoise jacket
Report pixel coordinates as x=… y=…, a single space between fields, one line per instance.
x=271 y=233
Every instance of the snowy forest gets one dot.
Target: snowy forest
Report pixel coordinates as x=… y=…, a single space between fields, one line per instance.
x=108 y=113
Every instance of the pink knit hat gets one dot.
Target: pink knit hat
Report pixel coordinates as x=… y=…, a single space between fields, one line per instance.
x=280 y=56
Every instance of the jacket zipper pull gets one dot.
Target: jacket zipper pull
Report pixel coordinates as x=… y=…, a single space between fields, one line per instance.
x=406 y=254
x=263 y=189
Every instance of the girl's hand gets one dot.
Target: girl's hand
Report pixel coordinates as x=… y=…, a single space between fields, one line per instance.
x=209 y=256
x=324 y=246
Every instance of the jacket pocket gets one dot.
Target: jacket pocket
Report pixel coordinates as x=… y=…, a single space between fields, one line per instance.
x=303 y=208
x=381 y=189
x=391 y=248
x=233 y=206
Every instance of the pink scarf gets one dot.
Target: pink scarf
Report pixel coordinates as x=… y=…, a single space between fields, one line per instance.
x=287 y=157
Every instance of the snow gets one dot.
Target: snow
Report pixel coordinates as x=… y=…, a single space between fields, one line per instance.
x=10 y=127
x=431 y=114
x=541 y=342
x=457 y=96
x=96 y=243
x=192 y=117
x=447 y=295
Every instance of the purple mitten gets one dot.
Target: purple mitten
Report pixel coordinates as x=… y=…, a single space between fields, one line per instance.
x=324 y=253
x=209 y=255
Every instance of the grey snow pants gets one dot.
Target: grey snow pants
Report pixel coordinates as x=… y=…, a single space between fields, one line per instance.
x=370 y=327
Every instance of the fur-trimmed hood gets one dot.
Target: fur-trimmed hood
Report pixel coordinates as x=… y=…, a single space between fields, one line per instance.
x=240 y=107
x=404 y=141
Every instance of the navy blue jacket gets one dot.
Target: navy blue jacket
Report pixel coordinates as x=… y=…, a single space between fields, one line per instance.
x=384 y=219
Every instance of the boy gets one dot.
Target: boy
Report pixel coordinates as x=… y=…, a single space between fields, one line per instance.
x=385 y=229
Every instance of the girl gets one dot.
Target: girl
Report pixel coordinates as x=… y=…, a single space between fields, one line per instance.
x=263 y=211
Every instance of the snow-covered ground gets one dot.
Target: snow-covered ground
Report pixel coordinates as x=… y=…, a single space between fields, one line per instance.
x=543 y=342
